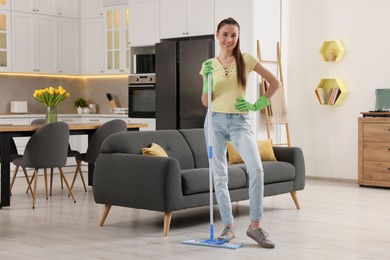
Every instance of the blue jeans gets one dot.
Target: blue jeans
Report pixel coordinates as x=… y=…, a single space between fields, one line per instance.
x=236 y=128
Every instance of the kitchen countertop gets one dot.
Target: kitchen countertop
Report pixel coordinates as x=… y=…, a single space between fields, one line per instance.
x=9 y=115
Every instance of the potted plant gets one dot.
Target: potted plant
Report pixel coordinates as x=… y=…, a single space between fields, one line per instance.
x=80 y=103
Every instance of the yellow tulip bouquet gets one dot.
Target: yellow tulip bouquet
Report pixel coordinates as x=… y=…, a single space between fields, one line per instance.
x=51 y=97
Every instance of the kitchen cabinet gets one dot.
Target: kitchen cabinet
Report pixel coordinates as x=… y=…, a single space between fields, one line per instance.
x=64 y=8
x=68 y=8
x=68 y=46
x=34 y=43
x=48 y=7
x=117 y=60
x=5 y=5
x=144 y=29
x=180 y=18
x=5 y=41
x=93 y=46
x=92 y=9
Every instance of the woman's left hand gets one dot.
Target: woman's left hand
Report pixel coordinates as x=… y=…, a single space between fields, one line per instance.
x=242 y=104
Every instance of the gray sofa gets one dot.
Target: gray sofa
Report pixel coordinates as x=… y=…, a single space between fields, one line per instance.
x=124 y=177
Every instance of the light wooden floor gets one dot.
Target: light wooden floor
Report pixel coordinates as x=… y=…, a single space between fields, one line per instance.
x=337 y=221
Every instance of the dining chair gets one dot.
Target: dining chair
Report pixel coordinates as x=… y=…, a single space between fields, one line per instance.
x=47 y=148
x=96 y=141
x=14 y=154
x=71 y=153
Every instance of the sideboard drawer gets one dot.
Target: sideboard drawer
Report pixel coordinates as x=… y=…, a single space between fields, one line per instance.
x=376 y=151
x=378 y=171
x=376 y=132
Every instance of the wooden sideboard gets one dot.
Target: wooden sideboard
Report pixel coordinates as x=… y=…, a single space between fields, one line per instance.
x=374 y=151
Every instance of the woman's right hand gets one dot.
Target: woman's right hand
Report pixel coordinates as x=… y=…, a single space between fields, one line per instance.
x=208 y=70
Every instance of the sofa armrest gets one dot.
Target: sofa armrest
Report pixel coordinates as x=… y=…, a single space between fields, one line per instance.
x=294 y=156
x=138 y=181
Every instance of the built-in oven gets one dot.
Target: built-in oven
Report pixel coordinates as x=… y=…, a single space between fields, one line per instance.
x=142 y=96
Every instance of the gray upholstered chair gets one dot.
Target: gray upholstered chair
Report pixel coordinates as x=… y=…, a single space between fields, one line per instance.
x=71 y=153
x=96 y=141
x=47 y=148
x=14 y=154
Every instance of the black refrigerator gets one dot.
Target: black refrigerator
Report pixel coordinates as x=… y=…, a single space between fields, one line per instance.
x=178 y=83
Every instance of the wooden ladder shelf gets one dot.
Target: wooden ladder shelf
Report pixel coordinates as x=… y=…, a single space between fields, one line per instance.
x=263 y=90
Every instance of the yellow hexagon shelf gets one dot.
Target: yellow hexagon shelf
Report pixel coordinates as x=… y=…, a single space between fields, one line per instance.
x=331 y=91
x=332 y=51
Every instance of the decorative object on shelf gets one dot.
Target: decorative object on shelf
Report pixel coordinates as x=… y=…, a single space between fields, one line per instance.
x=332 y=54
x=51 y=97
x=80 y=103
x=332 y=51
x=331 y=91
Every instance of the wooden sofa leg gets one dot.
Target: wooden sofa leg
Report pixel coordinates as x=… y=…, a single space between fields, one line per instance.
x=295 y=198
x=105 y=213
x=167 y=222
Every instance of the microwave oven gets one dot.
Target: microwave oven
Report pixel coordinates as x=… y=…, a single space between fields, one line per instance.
x=144 y=63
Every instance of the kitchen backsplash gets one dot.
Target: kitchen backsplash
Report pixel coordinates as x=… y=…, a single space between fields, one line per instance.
x=21 y=88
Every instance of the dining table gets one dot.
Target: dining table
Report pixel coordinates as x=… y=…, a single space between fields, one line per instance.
x=7 y=132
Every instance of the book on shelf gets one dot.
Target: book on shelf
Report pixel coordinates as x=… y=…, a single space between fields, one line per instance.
x=332 y=96
x=336 y=94
x=321 y=95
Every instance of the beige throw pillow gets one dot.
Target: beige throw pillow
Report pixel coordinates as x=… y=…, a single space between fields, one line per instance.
x=154 y=150
x=265 y=149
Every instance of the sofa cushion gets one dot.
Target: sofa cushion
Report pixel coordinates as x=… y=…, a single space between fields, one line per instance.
x=197 y=180
x=197 y=142
x=275 y=171
x=132 y=143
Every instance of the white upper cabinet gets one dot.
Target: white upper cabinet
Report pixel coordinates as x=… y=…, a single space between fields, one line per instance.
x=5 y=40
x=144 y=29
x=48 y=7
x=68 y=8
x=117 y=39
x=65 y=8
x=183 y=18
x=5 y=4
x=68 y=46
x=34 y=43
x=92 y=9
x=93 y=46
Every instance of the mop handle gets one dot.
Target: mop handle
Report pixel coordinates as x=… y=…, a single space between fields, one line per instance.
x=210 y=154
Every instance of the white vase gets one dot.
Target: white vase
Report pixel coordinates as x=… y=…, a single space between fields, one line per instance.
x=79 y=110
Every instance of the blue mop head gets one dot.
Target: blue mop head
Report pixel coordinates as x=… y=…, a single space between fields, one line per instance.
x=212 y=243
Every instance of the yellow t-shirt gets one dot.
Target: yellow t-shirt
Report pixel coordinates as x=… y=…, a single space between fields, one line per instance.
x=226 y=86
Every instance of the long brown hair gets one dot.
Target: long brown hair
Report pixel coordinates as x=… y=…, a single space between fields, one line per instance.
x=236 y=51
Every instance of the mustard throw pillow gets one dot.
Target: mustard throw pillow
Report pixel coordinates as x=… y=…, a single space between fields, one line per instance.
x=265 y=149
x=154 y=150
x=233 y=156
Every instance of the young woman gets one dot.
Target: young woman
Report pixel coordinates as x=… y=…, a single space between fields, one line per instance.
x=230 y=121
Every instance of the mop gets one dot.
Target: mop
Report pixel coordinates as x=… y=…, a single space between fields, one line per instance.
x=211 y=242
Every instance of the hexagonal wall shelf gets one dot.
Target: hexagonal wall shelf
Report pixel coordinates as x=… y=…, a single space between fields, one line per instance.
x=332 y=51
x=331 y=91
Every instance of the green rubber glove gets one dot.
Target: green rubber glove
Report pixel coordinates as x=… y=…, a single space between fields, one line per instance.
x=207 y=69
x=243 y=105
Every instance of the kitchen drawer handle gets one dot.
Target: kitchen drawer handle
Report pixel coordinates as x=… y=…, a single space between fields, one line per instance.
x=93 y=120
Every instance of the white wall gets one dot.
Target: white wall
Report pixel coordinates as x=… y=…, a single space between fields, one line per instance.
x=328 y=134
